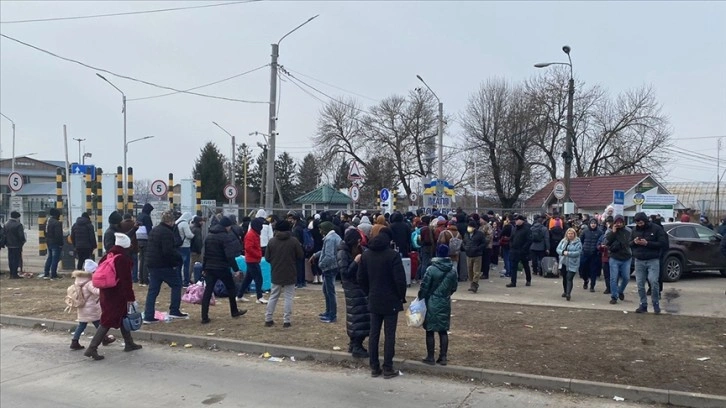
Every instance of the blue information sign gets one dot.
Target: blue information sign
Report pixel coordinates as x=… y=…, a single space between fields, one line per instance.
x=385 y=194
x=81 y=169
x=618 y=197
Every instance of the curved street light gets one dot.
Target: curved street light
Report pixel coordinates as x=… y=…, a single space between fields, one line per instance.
x=123 y=110
x=440 y=174
x=567 y=155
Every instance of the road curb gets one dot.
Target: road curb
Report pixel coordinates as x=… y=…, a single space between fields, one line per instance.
x=598 y=389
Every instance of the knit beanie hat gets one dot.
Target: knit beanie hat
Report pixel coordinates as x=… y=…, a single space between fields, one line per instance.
x=115 y=218
x=442 y=251
x=326 y=226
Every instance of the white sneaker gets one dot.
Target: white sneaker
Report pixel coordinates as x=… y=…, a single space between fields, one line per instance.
x=261 y=300
x=242 y=299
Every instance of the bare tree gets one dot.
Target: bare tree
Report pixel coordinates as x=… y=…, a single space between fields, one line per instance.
x=341 y=132
x=142 y=191
x=501 y=121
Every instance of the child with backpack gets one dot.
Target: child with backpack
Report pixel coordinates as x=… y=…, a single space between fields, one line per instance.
x=84 y=297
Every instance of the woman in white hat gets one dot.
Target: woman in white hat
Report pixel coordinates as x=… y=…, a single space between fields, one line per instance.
x=116 y=300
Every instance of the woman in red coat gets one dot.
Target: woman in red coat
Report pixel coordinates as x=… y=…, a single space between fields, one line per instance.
x=115 y=301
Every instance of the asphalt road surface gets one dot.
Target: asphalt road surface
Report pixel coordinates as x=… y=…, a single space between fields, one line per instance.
x=38 y=370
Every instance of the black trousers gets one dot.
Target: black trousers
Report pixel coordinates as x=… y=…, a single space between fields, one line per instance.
x=14 y=260
x=516 y=258
x=389 y=322
x=82 y=254
x=210 y=280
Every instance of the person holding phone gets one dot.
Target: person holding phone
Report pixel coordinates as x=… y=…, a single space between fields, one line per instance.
x=647 y=242
x=617 y=241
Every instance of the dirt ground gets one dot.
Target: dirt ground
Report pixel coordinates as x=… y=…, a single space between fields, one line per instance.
x=614 y=347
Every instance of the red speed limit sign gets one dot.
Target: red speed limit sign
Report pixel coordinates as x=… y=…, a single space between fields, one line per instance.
x=158 y=188
x=15 y=181
x=230 y=192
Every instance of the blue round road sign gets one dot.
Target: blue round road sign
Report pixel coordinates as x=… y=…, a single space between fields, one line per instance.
x=385 y=194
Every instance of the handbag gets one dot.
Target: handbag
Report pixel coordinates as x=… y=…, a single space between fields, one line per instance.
x=132 y=321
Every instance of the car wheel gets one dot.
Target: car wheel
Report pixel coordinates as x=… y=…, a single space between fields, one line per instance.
x=723 y=273
x=674 y=269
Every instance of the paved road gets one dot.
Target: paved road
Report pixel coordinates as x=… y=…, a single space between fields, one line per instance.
x=38 y=370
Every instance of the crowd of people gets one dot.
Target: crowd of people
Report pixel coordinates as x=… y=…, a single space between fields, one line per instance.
x=364 y=251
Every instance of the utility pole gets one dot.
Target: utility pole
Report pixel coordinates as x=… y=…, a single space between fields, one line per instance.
x=79 y=140
x=272 y=126
x=441 y=141
x=570 y=136
x=718 y=178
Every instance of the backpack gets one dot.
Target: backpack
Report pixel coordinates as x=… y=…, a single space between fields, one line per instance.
x=178 y=240
x=557 y=234
x=416 y=239
x=363 y=239
x=454 y=244
x=74 y=296
x=308 y=241
x=538 y=235
x=105 y=275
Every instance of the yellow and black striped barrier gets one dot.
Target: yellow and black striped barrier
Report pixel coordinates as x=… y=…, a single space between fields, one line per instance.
x=130 y=189
x=198 y=207
x=170 y=190
x=42 y=243
x=119 y=189
x=99 y=212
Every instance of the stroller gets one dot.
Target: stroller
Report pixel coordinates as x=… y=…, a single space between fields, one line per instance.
x=550 y=267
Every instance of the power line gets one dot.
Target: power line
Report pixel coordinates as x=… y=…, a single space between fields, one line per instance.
x=332 y=86
x=127 y=77
x=128 y=13
x=201 y=86
x=697 y=138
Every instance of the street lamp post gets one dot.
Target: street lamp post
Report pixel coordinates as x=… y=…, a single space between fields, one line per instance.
x=86 y=154
x=567 y=155
x=12 y=161
x=272 y=126
x=125 y=171
x=231 y=169
x=79 y=140
x=440 y=174
x=126 y=150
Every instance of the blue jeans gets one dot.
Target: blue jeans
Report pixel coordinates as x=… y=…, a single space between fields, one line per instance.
x=157 y=276
x=648 y=269
x=331 y=304
x=507 y=260
x=300 y=264
x=82 y=327
x=424 y=259
x=618 y=269
x=135 y=270
x=186 y=254
x=51 y=262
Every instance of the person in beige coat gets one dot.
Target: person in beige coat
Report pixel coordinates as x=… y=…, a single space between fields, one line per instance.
x=90 y=311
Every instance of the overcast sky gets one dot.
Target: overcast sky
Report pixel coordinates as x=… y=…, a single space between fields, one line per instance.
x=372 y=48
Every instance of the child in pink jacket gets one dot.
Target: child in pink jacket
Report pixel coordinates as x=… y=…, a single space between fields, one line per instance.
x=90 y=312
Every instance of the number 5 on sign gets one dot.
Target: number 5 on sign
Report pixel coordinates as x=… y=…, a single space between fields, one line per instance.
x=158 y=188
x=230 y=192
x=15 y=181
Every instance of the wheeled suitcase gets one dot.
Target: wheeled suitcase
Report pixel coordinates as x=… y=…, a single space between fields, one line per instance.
x=550 y=267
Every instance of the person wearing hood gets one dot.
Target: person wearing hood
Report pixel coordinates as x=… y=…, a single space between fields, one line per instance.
x=383 y=280
x=401 y=234
x=519 y=250
x=114 y=221
x=569 y=250
x=327 y=261
x=647 y=242
x=253 y=257
x=185 y=232
x=590 y=262
x=283 y=252
x=722 y=227
x=142 y=236
x=314 y=227
x=540 y=244
x=266 y=232
x=90 y=310
x=236 y=229
x=617 y=241
x=83 y=238
x=358 y=320
x=439 y=283
x=14 y=242
x=163 y=260
x=115 y=301
x=54 y=239
x=221 y=248
x=365 y=226
x=379 y=225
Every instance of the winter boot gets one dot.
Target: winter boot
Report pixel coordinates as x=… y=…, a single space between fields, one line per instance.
x=471 y=287
x=108 y=340
x=444 y=348
x=129 y=344
x=430 y=346
x=92 y=350
x=474 y=287
x=75 y=345
x=357 y=349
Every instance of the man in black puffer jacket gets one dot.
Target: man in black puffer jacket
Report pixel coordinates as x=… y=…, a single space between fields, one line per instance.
x=220 y=250
x=519 y=250
x=647 y=242
x=142 y=237
x=54 y=238
x=162 y=260
x=358 y=320
x=383 y=280
x=83 y=237
x=401 y=234
x=590 y=264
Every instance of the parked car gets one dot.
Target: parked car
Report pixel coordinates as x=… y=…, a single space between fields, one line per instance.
x=692 y=248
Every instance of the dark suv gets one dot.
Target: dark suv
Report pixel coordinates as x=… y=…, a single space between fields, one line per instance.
x=693 y=247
